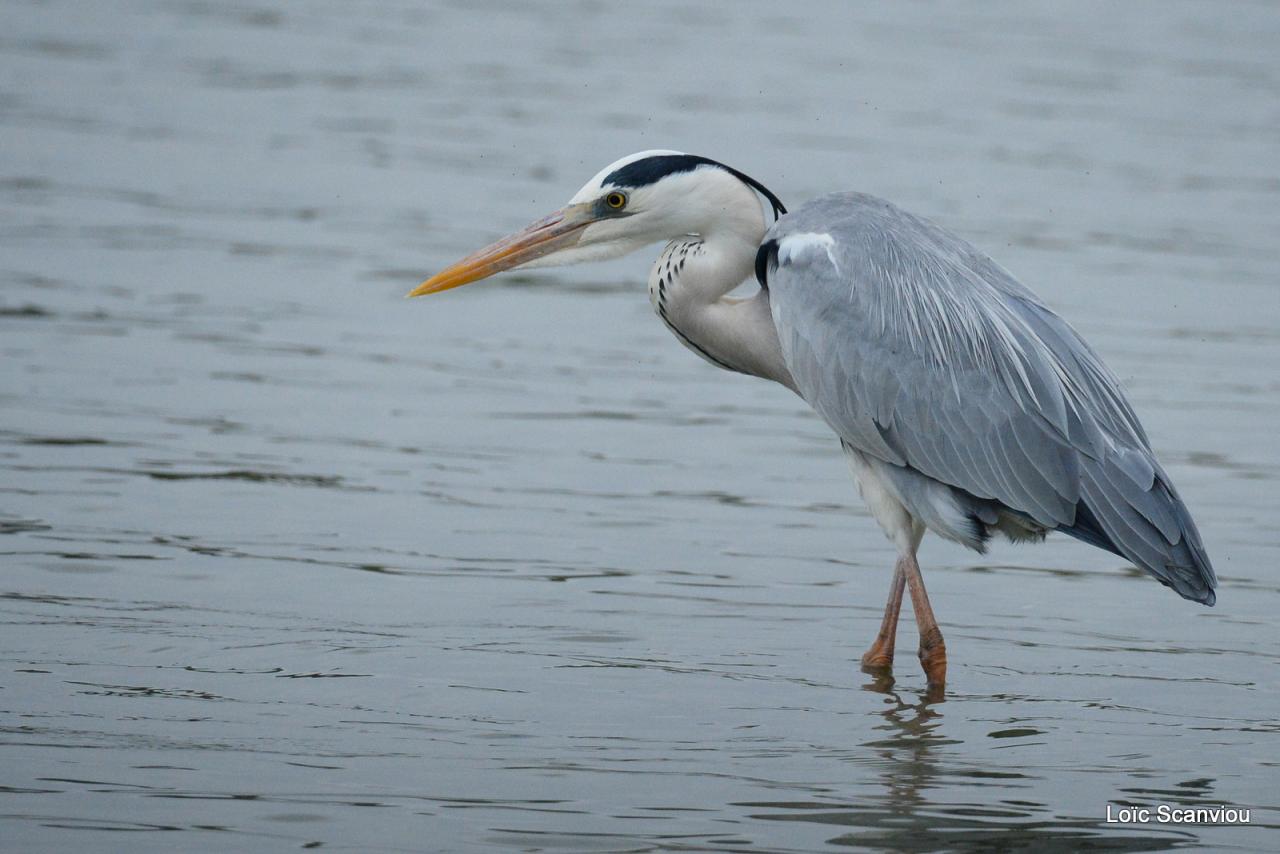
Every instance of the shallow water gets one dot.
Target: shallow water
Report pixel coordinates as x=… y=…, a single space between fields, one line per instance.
x=289 y=561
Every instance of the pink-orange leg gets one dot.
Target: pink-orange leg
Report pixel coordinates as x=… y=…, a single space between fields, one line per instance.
x=933 y=652
x=880 y=655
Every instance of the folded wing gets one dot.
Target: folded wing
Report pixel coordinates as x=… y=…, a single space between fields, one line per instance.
x=922 y=352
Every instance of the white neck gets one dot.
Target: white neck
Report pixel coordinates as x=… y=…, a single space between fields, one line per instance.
x=688 y=287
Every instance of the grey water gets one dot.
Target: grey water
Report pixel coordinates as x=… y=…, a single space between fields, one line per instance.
x=287 y=561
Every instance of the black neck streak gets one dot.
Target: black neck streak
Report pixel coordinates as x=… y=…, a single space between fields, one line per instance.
x=672 y=264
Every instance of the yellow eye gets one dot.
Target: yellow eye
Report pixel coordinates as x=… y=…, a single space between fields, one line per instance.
x=615 y=200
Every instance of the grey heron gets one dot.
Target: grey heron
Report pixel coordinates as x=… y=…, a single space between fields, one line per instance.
x=964 y=404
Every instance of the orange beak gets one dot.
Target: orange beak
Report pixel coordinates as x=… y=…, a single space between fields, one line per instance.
x=556 y=231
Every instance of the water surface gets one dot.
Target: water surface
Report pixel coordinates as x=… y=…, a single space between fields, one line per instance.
x=289 y=561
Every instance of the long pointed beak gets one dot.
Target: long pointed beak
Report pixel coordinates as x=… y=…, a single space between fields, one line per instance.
x=555 y=231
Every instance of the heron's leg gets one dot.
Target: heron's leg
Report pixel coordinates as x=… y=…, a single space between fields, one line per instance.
x=881 y=652
x=933 y=652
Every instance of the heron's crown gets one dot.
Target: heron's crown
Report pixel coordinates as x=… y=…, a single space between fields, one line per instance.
x=649 y=167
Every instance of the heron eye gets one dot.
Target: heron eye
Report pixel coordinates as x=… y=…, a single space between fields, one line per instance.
x=617 y=201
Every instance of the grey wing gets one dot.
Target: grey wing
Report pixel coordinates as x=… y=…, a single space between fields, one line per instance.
x=922 y=352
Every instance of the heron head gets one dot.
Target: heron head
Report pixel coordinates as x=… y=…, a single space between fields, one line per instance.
x=645 y=198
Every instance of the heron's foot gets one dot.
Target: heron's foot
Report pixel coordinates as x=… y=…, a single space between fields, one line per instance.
x=933 y=657
x=880 y=655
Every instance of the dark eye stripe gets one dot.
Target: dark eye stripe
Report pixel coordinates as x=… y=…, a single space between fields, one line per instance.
x=650 y=170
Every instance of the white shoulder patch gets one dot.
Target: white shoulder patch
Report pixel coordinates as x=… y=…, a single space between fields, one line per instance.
x=794 y=247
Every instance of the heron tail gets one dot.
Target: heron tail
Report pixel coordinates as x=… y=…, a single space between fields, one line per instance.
x=1128 y=506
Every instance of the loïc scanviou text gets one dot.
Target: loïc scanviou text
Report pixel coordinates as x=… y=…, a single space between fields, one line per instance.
x=1167 y=814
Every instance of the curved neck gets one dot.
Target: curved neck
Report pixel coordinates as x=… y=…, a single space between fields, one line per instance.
x=688 y=287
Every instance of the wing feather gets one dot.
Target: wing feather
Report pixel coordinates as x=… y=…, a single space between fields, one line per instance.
x=922 y=352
